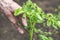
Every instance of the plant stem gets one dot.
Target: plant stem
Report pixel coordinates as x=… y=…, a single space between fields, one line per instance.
x=31 y=30
x=31 y=34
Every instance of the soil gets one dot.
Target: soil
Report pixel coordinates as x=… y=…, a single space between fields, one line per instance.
x=9 y=32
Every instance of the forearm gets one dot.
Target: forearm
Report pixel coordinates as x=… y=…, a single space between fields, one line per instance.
x=8 y=4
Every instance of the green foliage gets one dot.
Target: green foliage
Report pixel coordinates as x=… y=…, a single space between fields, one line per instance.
x=52 y=20
x=35 y=14
x=43 y=37
x=18 y=11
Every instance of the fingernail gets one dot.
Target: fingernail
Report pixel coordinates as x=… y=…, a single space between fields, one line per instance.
x=25 y=24
x=21 y=31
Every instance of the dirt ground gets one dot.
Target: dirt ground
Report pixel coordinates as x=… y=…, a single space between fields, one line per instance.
x=9 y=32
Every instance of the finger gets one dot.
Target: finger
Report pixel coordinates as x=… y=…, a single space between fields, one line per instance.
x=13 y=20
x=19 y=28
x=24 y=22
x=9 y=15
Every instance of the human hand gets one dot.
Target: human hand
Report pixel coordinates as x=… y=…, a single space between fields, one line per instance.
x=8 y=7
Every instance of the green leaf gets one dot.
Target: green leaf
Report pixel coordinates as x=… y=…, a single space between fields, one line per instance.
x=29 y=3
x=48 y=33
x=55 y=24
x=24 y=15
x=49 y=23
x=39 y=9
x=58 y=23
x=18 y=11
x=43 y=37
x=39 y=17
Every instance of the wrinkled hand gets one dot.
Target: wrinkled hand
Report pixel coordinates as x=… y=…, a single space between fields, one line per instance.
x=8 y=7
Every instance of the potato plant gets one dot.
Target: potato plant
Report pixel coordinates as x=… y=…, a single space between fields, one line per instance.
x=34 y=14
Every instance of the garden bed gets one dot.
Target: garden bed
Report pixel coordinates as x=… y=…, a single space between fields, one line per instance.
x=9 y=32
